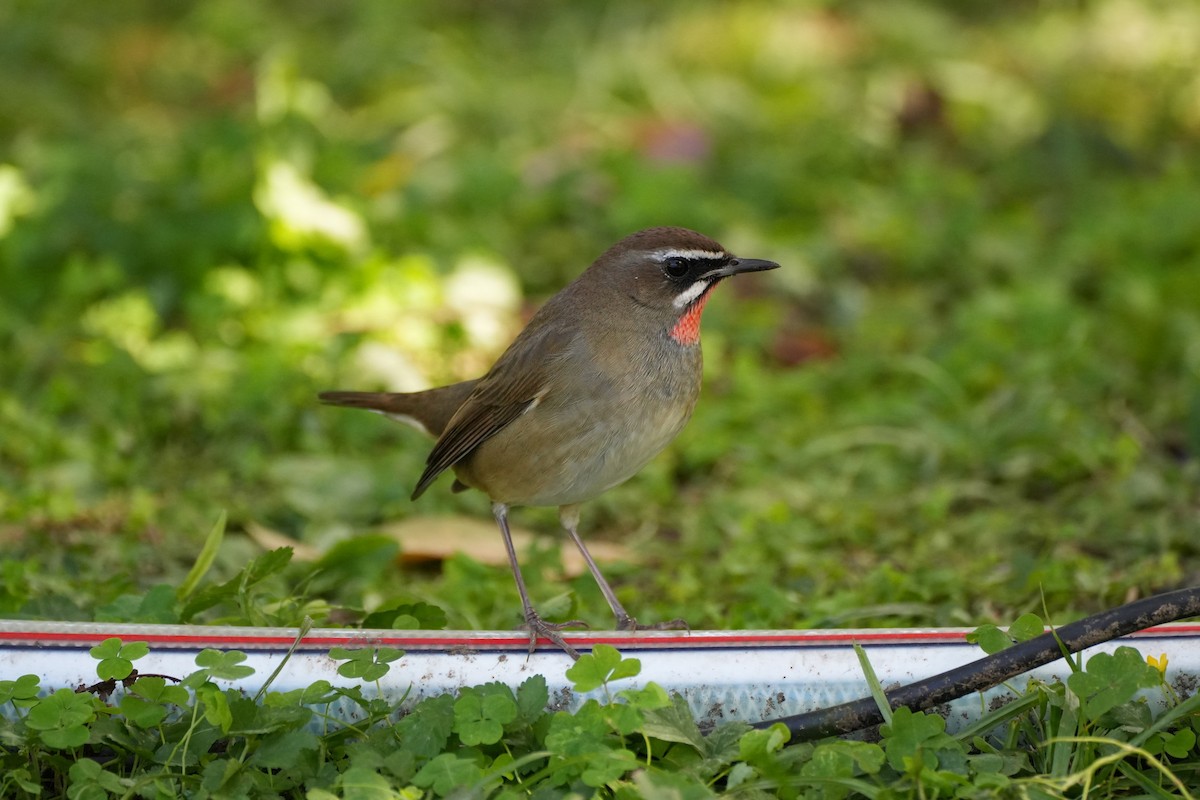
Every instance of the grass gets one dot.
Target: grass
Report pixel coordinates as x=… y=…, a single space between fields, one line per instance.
x=973 y=389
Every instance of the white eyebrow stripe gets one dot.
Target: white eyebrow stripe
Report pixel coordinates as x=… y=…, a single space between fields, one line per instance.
x=684 y=298
x=705 y=255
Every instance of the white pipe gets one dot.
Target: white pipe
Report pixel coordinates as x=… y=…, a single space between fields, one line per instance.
x=724 y=675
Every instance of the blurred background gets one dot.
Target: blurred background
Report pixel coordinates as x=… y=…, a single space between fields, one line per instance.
x=973 y=390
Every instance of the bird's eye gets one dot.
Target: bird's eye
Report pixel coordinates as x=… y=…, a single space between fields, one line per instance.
x=675 y=267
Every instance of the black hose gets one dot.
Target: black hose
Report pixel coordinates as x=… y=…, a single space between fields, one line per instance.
x=998 y=667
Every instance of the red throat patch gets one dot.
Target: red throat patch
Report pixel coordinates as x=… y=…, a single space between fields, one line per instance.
x=687 y=330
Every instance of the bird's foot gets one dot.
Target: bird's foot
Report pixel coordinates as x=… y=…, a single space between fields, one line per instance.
x=628 y=623
x=540 y=627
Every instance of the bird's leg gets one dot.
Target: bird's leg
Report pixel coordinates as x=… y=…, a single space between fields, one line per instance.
x=569 y=517
x=533 y=621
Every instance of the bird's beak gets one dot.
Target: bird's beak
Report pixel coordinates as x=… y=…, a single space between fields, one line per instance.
x=740 y=265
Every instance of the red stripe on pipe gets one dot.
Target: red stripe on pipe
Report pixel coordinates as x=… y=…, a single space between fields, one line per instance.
x=517 y=640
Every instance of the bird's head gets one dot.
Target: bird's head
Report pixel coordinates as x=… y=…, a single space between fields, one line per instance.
x=669 y=273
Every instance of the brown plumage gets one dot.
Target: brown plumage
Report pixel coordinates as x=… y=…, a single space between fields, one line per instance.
x=602 y=378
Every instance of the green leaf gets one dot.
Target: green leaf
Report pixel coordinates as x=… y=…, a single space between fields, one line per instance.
x=1131 y=716
x=602 y=665
x=222 y=777
x=192 y=749
x=1027 y=627
x=249 y=718
x=366 y=664
x=608 y=766
x=845 y=759
x=116 y=659
x=60 y=719
x=208 y=597
x=990 y=638
x=650 y=696
x=282 y=751
x=156 y=606
x=584 y=746
x=585 y=731
x=480 y=717
x=142 y=713
x=157 y=690
x=1110 y=680
x=90 y=780
x=109 y=648
x=910 y=733
x=84 y=790
x=622 y=718
x=266 y=565
x=722 y=744
x=363 y=783
x=425 y=730
x=759 y=747
x=208 y=554
x=239 y=587
x=740 y=773
x=317 y=693
x=407 y=616
x=402 y=764
x=877 y=691
x=625 y=668
x=657 y=784
x=65 y=738
x=674 y=723
x=215 y=706
x=223 y=664
x=474 y=724
x=135 y=650
x=447 y=772
x=386 y=655
x=532 y=698
x=1180 y=743
x=23 y=779
x=22 y=692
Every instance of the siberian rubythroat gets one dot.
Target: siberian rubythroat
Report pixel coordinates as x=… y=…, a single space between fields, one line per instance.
x=602 y=378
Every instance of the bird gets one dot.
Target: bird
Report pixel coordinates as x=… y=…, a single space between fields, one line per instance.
x=602 y=378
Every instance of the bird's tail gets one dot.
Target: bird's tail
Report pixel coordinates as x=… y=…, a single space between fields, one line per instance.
x=429 y=411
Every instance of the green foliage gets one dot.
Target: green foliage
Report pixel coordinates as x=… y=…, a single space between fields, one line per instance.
x=208 y=554
x=843 y=765
x=1112 y=680
x=406 y=616
x=90 y=781
x=60 y=720
x=218 y=665
x=116 y=659
x=973 y=389
x=365 y=664
x=992 y=640
x=600 y=666
x=22 y=692
x=976 y=355
x=493 y=740
x=480 y=713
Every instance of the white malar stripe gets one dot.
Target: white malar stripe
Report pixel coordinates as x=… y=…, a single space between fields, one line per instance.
x=684 y=298
x=705 y=255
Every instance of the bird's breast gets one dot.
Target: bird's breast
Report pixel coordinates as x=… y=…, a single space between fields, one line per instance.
x=598 y=423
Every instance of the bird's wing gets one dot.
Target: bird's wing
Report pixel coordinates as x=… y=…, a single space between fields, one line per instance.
x=514 y=385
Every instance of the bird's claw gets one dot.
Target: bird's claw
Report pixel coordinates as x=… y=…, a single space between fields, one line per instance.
x=540 y=627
